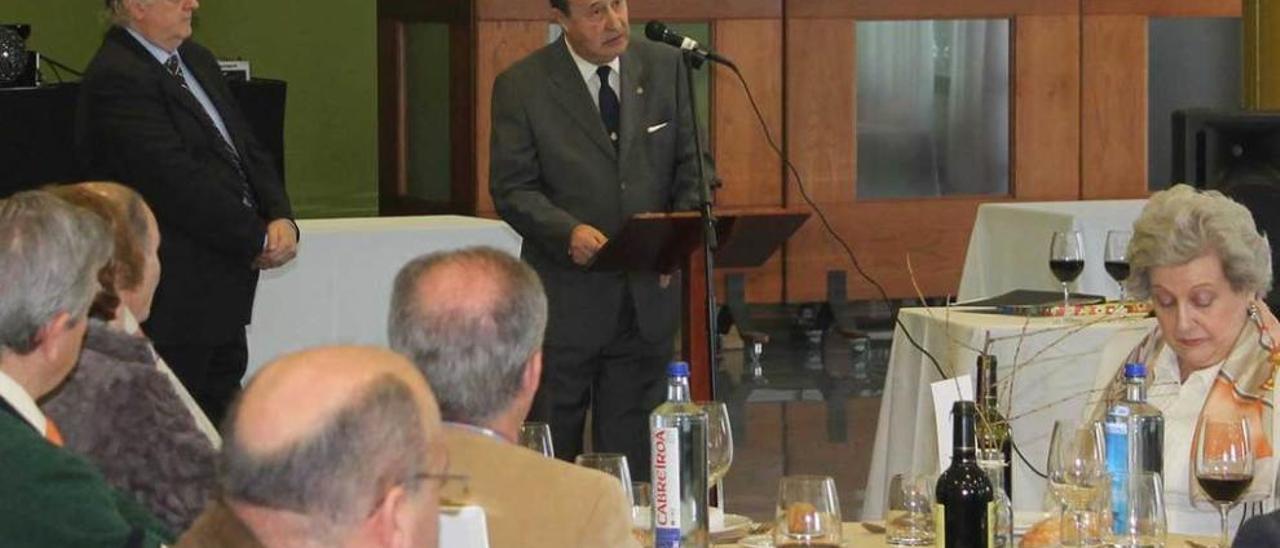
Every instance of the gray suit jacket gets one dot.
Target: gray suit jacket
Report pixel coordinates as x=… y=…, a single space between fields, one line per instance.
x=552 y=167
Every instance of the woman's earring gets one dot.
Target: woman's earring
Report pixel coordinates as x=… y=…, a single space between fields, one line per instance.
x=1254 y=314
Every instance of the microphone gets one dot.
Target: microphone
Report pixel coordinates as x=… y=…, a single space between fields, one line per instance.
x=658 y=32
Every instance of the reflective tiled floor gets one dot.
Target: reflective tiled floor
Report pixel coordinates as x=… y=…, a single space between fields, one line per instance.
x=807 y=406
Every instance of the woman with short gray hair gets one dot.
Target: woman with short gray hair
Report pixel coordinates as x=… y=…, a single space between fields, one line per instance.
x=1199 y=259
x=1181 y=224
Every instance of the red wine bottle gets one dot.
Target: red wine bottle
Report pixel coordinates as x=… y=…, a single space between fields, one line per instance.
x=964 y=495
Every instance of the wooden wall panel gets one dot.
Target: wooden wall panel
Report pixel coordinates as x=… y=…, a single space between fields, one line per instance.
x=639 y=10
x=1165 y=8
x=501 y=44
x=820 y=108
x=926 y=9
x=1114 y=125
x=883 y=233
x=1046 y=95
x=750 y=170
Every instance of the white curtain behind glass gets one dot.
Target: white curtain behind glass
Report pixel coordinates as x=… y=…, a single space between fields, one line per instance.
x=933 y=108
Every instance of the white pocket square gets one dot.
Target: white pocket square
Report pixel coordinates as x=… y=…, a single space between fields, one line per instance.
x=654 y=129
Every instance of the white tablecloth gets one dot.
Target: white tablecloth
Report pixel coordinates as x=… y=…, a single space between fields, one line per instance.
x=1048 y=386
x=1009 y=246
x=338 y=288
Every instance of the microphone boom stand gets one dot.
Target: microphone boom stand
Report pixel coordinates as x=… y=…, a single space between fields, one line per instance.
x=693 y=61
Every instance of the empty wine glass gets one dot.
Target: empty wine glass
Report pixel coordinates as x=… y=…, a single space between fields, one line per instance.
x=614 y=464
x=537 y=436
x=1066 y=261
x=1078 y=478
x=719 y=447
x=1116 y=257
x=808 y=512
x=908 y=514
x=1224 y=463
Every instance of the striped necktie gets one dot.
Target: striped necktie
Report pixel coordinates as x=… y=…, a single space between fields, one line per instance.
x=246 y=194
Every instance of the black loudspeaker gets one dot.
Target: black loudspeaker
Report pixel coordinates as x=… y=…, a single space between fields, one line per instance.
x=19 y=68
x=1221 y=149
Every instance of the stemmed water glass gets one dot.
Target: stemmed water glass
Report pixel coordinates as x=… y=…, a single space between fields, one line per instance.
x=719 y=447
x=1078 y=478
x=1224 y=463
x=808 y=512
x=613 y=464
x=537 y=437
x=1116 y=257
x=1066 y=261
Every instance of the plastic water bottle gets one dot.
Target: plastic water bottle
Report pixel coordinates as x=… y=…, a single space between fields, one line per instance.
x=678 y=465
x=1134 y=431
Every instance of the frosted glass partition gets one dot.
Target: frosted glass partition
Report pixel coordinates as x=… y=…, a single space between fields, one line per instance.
x=933 y=108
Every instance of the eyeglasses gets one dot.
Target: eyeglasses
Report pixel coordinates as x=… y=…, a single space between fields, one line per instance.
x=442 y=481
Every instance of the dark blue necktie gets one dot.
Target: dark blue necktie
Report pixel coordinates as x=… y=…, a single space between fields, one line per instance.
x=609 y=109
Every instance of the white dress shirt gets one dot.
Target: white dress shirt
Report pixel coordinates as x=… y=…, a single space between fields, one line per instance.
x=589 y=75
x=197 y=90
x=22 y=402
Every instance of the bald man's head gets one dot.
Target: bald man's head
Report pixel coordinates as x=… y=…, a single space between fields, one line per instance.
x=471 y=320
x=328 y=433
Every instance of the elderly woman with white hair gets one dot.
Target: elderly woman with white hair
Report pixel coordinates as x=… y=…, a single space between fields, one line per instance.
x=1200 y=260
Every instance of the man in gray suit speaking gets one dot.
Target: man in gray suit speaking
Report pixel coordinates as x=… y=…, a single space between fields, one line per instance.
x=587 y=132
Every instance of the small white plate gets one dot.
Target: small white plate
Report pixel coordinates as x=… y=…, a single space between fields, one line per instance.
x=733 y=522
x=766 y=541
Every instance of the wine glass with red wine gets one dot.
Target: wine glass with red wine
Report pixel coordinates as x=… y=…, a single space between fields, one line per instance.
x=1066 y=261
x=1116 y=257
x=1224 y=463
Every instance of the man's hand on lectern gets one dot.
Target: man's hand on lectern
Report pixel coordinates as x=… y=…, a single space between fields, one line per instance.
x=584 y=242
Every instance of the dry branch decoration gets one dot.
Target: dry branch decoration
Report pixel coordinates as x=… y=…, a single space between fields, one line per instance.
x=1061 y=333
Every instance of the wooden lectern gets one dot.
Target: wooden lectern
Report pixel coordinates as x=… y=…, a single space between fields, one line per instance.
x=666 y=242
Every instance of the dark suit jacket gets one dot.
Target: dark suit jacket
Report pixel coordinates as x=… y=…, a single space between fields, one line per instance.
x=1259 y=532
x=552 y=167
x=137 y=125
x=50 y=497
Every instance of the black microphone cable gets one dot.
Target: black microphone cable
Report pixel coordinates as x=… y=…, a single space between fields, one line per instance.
x=848 y=250
x=826 y=224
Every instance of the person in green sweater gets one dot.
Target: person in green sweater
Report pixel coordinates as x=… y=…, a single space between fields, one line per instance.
x=50 y=257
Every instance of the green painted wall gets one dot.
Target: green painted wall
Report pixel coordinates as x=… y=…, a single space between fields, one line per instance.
x=324 y=49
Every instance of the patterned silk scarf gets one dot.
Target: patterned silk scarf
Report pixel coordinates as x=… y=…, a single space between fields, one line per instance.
x=1243 y=388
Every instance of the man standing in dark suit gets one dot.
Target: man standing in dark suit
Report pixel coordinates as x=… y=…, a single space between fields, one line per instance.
x=588 y=131
x=156 y=114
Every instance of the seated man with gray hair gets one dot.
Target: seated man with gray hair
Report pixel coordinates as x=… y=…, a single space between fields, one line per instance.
x=335 y=446
x=472 y=321
x=50 y=255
